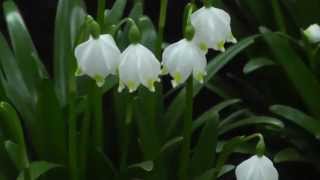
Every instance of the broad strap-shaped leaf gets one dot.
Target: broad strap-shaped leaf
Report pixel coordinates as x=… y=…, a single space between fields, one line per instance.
x=205 y=150
x=12 y=81
x=215 y=109
x=298 y=73
x=257 y=63
x=69 y=18
x=15 y=152
x=24 y=49
x=50 y=127
x=11 y=128
x=255 y=120
x=116 y=12
x=299 y=118
x=176 y=107
x=288 y=155
x=38 y=168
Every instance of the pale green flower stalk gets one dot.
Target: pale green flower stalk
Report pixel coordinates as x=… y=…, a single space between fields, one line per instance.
x=187 y=125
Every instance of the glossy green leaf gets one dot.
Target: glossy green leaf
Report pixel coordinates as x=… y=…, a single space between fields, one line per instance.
x=256 y=63
x=69 y=18
x=288 y=155
x=299 y=118
x=116 y=12
x=146 y=166
x=10 y=124
x=235 y=116
x=204 y=152
x=256 y=120
x=226 y=169
x=50 y=132
x=298 y=73
x=16 y=154
x=227 y=150
x=207 y=175
x=38 y=168
x=149 y=34
x=13 y=83
x=215 y=109
x=176 y=107
x=25 y=52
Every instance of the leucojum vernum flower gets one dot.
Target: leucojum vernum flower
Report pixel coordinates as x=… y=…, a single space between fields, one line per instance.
x=313 y=33
x=98 y=57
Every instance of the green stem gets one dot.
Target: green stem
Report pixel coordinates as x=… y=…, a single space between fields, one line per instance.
x=72 y=139
x=278 y=15
x=187 y=130
x=162 y=23
x=100 y=13
x=84 y=135
x=96 y=97
x=126 y=133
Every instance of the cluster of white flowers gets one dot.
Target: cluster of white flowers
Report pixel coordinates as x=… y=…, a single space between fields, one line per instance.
x=99 y=57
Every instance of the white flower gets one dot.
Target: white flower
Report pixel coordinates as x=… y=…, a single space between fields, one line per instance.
x=257 y=168
x=313 y=33
x=212 y=26
x=98 y=58
x=183 y=58
x=138 y=66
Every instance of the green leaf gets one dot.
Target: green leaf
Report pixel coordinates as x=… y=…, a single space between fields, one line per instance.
x=10 y=124
x=205 y=150
x=116 y=12
x=225 y=169
x=251 y=121
x=288 y=155
x=171 y=143
x=208 y=175
x=69 y=18
x=49 y=132
x=25 y=52
x=216 y=109
x=38 y=168
x=175 y=110
x=299 y=118
x=16 y=154
x=146 y=166
x=298 y=73
x=148 y=31
x=257 y=63
x=13 y=83
x=227 y=149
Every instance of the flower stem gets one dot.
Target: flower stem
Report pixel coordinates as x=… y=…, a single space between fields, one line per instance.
x=100 y=13
x=96 y=97
x=278 y=15
x=187 y=130
x=162 y=23
x=72 y=139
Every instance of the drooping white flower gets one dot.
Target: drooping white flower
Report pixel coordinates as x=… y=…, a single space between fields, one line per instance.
x=138 y=66
x=313 y=33
x=212 y=28
x=257 y=168
x=98 y=58
x=183 y=58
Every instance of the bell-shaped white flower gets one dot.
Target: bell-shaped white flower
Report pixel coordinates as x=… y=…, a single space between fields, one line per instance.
x=212 y=28
x=313 y=33
x=138 y=65
x=183 y=58
x=257 y=168
x=98 y=58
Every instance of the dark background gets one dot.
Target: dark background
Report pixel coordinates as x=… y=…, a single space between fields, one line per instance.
x=39 y=16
